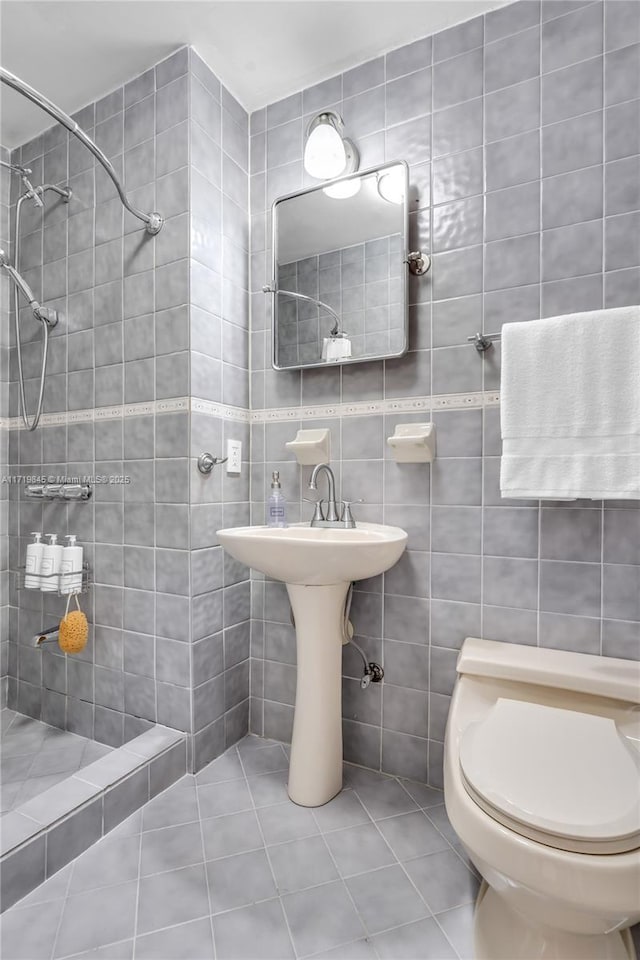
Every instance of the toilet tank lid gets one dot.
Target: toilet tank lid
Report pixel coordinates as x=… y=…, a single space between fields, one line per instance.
x=563 y=772
x=579 y=672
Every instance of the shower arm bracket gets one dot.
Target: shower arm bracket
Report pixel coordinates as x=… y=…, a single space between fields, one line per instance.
x=154 y=224
x=45 y=315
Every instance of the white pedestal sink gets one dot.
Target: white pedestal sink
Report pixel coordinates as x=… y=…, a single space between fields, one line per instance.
x=317 y=564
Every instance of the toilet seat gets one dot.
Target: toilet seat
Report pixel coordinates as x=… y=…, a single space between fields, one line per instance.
x=562 y=778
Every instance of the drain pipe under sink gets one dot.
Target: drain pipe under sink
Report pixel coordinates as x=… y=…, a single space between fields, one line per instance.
x=373 y=672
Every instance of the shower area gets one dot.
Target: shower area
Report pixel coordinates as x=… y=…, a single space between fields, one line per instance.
x=108 y=329
x=46 y=736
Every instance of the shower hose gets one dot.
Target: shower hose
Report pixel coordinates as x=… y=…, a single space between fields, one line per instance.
x=33 y=423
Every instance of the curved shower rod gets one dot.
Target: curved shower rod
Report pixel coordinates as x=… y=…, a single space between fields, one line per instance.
x=153 y=221
x=335 y=331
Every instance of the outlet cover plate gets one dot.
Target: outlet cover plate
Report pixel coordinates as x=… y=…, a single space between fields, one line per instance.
x=234 y=455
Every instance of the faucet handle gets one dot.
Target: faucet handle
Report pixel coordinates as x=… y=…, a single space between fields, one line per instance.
x=317 y=513
x=346 y=516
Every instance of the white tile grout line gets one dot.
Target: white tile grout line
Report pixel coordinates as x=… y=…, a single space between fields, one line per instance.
x=401 y=863
x=322 y=834
x=342 y=879
x=265 y=847
x=428 y=404
x=266 y=851
x=64 y=897
x=204 y=861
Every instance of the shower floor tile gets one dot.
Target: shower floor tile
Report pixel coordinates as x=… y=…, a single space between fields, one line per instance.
x=35 y=756
x=225 y=858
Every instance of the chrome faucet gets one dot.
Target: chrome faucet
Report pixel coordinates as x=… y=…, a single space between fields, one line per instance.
x=345 y=519
x=47 y=636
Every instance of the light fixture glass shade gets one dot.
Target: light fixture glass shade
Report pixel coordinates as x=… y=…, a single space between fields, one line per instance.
x=325 y=155
x=391 y=185
x=342 y=189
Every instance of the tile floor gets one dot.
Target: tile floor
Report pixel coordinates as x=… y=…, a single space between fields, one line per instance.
x=35 y=756
x=223 y=865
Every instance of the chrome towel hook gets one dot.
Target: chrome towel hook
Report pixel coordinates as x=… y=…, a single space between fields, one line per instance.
x=206 y=462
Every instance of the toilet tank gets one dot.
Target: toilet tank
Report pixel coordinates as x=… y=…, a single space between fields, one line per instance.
x=578 y=673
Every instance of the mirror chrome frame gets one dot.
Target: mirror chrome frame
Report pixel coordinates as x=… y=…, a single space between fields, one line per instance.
x=273 y=291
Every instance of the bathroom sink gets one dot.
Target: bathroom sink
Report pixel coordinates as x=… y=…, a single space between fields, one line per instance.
x=316 y=556
x=318 y=565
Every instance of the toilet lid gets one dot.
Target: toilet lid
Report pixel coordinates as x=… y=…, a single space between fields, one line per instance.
x=566 y=778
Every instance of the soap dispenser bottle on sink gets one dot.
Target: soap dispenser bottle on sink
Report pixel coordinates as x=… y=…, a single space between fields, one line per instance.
x=277 y=505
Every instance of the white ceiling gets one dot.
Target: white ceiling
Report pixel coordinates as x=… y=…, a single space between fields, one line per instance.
x=75 y=51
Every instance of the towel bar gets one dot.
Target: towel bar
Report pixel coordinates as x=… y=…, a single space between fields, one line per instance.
x=482 y=341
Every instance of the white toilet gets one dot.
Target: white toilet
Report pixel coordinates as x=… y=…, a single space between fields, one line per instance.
x=542 y=785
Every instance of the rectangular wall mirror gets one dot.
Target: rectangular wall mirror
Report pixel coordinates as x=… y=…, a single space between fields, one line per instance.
x=339 y=271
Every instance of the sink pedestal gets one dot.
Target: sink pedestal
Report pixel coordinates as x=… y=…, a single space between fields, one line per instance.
x=315 y=771
x=317 y=564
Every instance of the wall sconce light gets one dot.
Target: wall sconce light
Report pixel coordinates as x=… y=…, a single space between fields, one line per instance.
x=327 y=153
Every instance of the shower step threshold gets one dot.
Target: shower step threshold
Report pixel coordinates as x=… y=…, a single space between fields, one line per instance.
x=48 y=831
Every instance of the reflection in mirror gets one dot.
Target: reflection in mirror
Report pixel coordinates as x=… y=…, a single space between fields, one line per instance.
x=339 y=270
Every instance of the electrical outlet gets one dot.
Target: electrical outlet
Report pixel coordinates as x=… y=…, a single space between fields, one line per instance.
x=234 y=454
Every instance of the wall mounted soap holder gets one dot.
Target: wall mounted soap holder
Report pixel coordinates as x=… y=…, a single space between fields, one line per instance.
x=311 y=446
x=413 y=442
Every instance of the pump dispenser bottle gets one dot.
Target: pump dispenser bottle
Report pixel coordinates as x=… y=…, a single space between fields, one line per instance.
x=33 y=562
x=71 y=567
x=277 y=505
x=50 y=565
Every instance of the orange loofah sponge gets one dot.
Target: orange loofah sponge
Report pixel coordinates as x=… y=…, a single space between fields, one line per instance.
x=74 y=631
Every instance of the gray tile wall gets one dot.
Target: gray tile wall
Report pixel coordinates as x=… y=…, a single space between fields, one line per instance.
x=522 y=131
x=144 y=319
x=220 y=587
x=4 y=434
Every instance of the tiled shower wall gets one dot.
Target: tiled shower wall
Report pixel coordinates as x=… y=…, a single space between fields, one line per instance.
x=143 y=323
x=522 y=131
x=4 y=433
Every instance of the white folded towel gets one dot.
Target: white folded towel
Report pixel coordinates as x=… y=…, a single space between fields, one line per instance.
x=570 y=406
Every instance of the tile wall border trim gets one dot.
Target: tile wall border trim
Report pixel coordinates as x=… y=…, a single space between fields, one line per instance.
x=451 y=401
x=209 y=408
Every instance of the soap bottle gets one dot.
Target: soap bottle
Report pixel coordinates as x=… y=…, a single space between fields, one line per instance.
x=71 y=566
x=277 y=506
x=34 y=559
x=50 y=565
